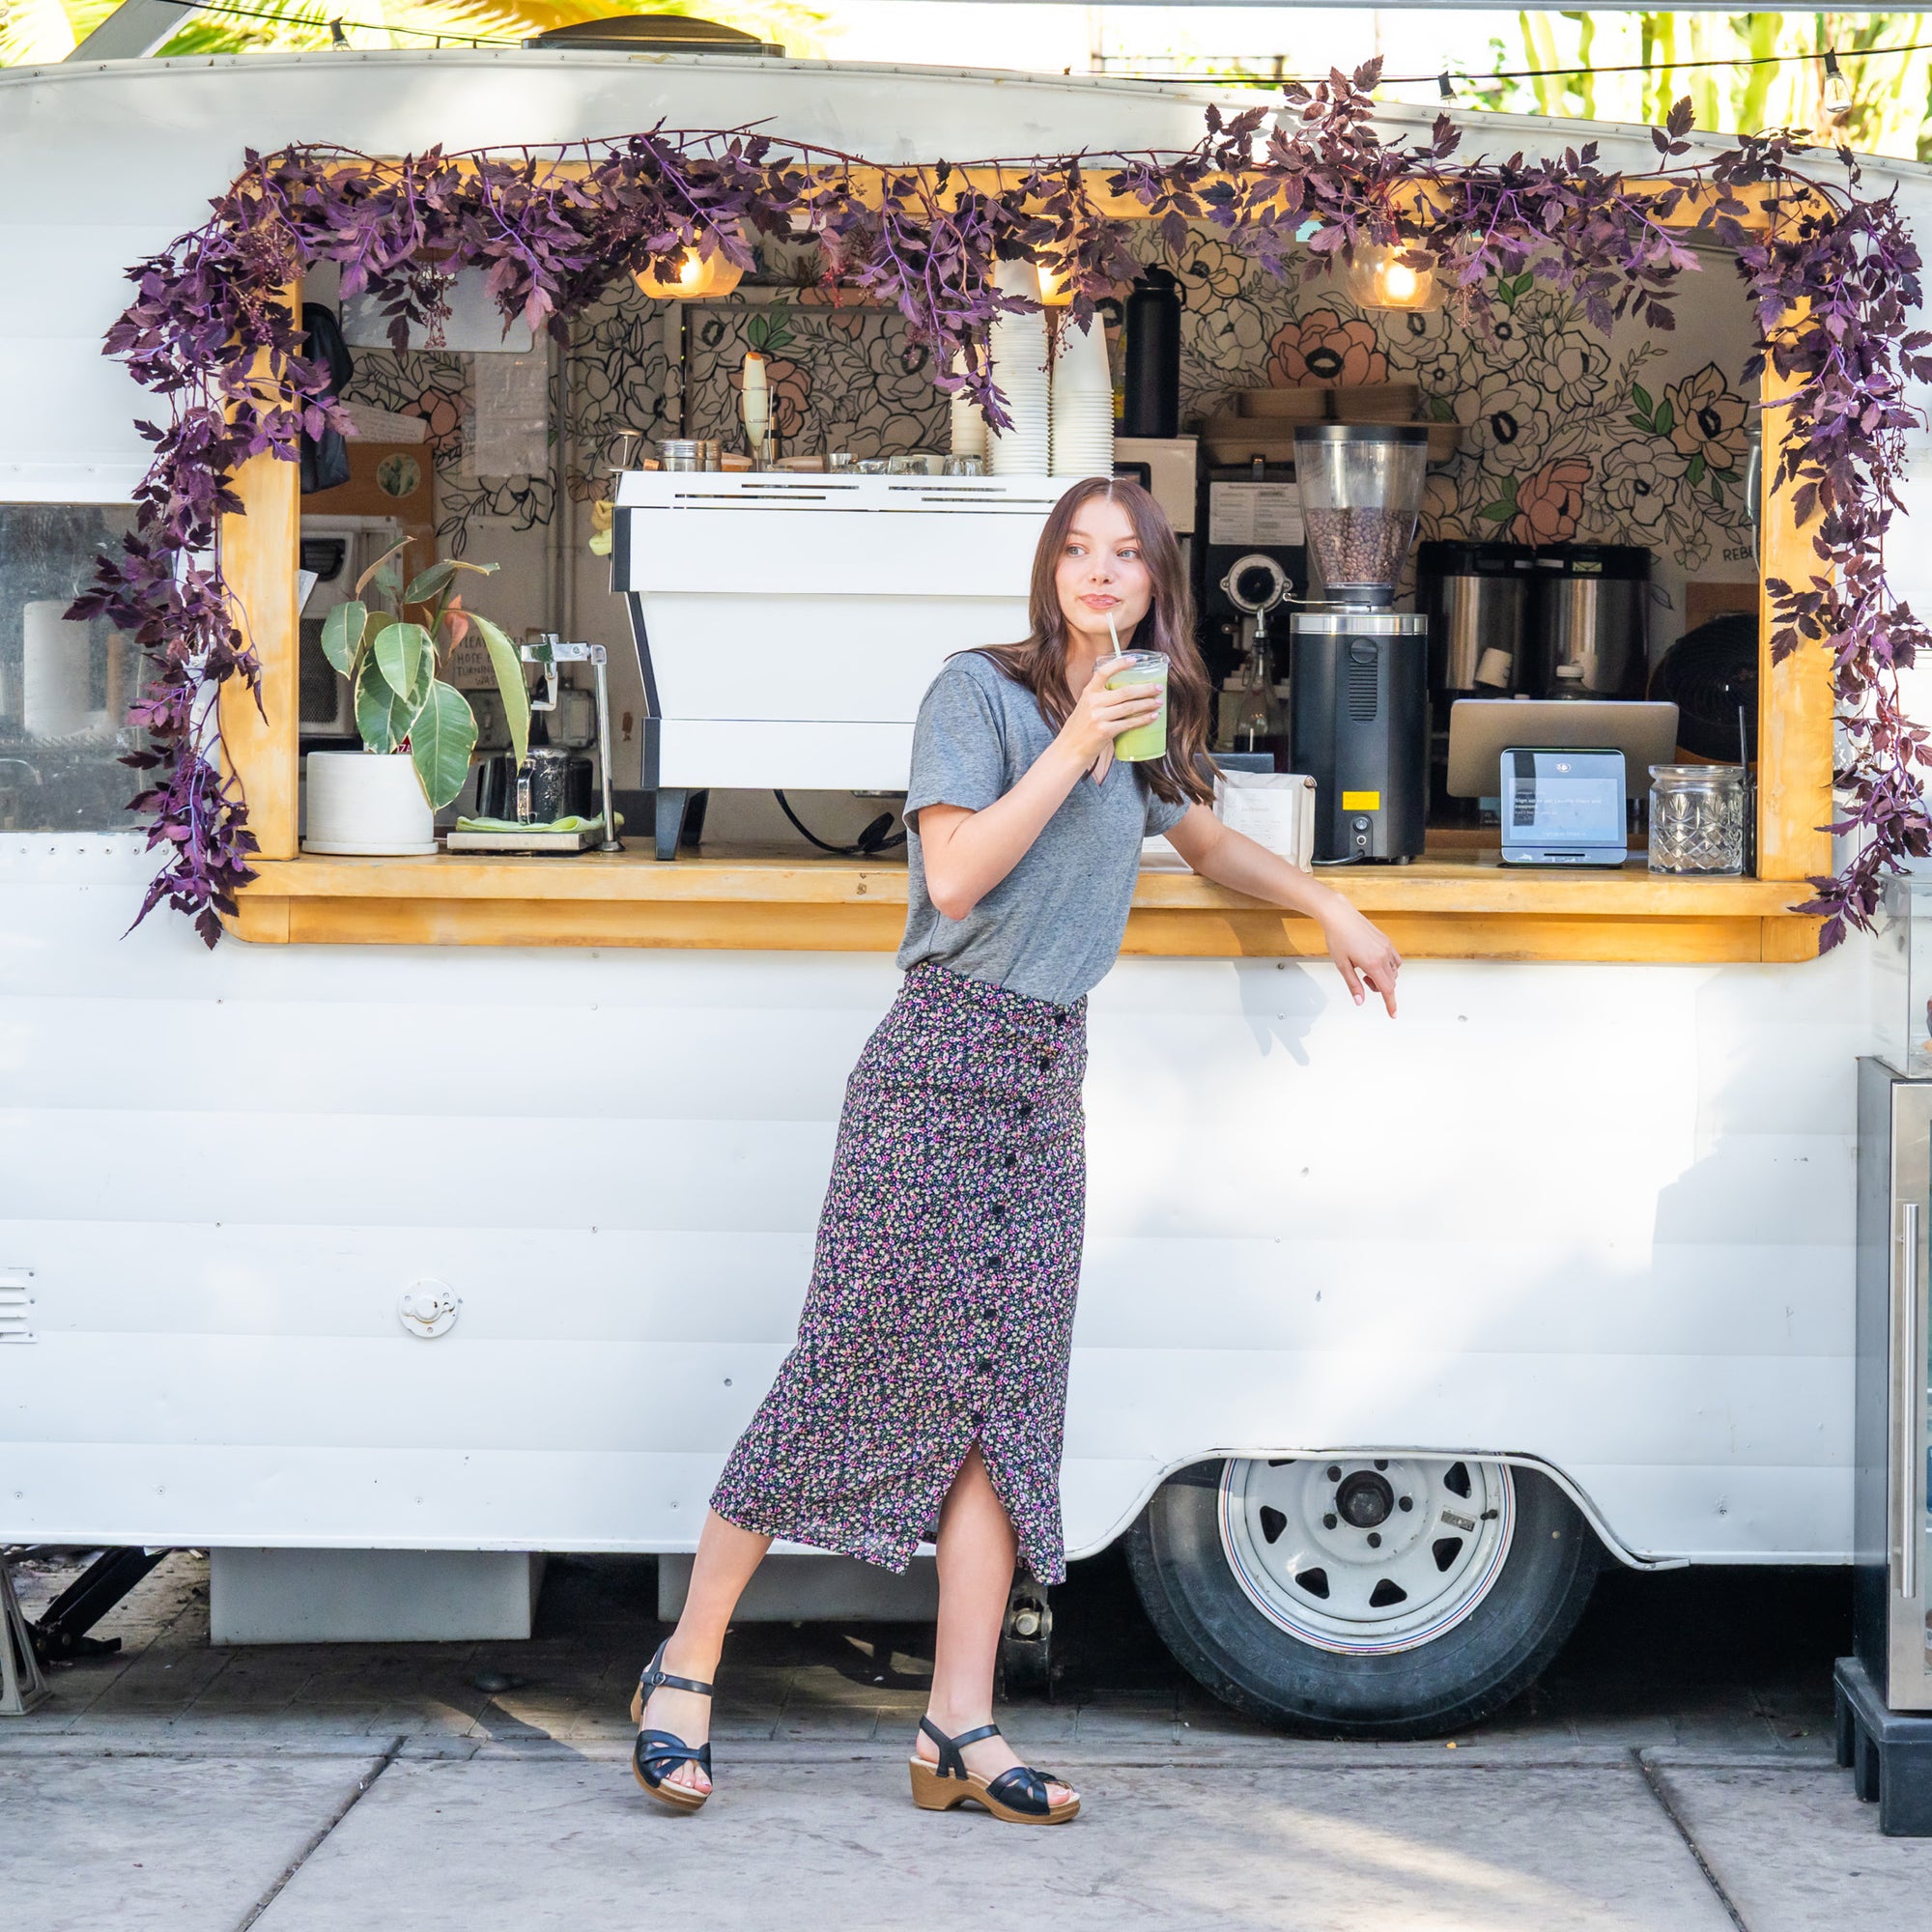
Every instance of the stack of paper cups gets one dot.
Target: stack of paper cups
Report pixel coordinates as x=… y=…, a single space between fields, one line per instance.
x=1082 y=402
x=969 y=419
x=54 y=670
x=1018 y=353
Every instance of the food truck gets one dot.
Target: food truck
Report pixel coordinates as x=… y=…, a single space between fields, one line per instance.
x=456 y=1207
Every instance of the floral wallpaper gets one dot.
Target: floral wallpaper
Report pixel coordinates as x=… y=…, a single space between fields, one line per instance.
x=1568 y=435
x=841 y=378
x=437 y=385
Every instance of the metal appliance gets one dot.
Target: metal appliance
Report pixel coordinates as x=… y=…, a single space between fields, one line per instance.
x=787 y=623
x=1592 y=635
x=332 y=553
x=1483 y=730
x=1359 y=708
x=1169 y=469
x=554 y=780
x=1884 y=1690
x=1250 y=560
x=1478 y=599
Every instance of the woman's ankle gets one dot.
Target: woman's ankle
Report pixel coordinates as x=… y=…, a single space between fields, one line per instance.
x=954 y=1721
x=692 y=1656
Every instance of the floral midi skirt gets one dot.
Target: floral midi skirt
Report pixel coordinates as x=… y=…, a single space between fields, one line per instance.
x=941 y=1308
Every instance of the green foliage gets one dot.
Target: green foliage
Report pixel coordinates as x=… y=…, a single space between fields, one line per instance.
x=393 y=659
x=442 y=734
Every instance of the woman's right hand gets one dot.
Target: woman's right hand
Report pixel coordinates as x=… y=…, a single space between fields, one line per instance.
x=1101 y=715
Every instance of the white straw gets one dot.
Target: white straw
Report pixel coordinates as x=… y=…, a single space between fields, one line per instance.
x=1113 y=632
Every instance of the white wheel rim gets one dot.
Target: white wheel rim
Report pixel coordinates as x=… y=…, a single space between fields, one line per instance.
x=1324 y=1547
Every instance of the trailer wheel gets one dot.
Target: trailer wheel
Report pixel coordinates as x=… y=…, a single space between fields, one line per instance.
x=1391 y=1597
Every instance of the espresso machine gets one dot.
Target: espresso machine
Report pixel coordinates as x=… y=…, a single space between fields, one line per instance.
x=1359 y=709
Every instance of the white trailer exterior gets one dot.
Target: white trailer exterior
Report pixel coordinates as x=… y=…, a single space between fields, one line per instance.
x=1597 y=1219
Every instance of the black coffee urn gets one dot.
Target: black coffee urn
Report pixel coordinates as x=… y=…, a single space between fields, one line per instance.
x=1152 y=403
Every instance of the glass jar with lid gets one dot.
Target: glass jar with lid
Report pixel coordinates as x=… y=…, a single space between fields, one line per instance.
x=1697 y=819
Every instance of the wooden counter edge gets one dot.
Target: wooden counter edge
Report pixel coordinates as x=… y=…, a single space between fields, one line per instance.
x=1450 y=892
x=772 y=911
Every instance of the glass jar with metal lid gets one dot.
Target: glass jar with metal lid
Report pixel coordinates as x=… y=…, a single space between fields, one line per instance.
x=1697 y=819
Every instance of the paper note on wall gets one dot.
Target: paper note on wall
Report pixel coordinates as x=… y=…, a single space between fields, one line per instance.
x=1254 y=513
x=512 y=437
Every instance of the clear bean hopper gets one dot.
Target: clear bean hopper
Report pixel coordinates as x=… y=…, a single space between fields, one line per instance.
x=1361 y=494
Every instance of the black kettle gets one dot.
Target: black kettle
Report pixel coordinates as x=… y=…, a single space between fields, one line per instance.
x=549 y=784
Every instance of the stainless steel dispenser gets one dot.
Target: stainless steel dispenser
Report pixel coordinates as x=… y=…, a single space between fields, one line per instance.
x=1592 y=621
x=1478 y=598
x=1884 y=1690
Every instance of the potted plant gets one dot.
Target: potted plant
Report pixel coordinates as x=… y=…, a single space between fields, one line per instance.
x=418 y=732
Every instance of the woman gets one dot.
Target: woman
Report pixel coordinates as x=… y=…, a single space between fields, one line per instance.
x=928 y=1383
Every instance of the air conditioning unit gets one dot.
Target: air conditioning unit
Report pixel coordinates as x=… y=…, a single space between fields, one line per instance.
x=335 y=552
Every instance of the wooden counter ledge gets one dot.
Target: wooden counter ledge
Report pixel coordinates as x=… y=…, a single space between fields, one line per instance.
x=1453 y=905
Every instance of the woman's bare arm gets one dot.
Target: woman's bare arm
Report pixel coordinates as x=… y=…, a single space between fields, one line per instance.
x=967 y=853
x=1360 y=950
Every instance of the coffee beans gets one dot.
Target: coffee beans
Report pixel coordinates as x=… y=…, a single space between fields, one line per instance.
x=1358 y=546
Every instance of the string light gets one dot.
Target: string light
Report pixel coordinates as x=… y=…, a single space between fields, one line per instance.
x=337 y=38
x=1056 y=291
x=1378 y=279
x=1834 y=97
x=1525 y=72
x=700 y=277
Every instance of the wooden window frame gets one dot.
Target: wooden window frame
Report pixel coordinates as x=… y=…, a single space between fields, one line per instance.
x=1449 y=907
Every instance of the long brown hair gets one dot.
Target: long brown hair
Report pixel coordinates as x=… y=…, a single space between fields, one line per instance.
x=1040 y=662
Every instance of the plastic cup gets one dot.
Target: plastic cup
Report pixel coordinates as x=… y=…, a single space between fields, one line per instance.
x=1149 y=741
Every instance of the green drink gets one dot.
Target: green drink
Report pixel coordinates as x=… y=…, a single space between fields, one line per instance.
x=1149 y=741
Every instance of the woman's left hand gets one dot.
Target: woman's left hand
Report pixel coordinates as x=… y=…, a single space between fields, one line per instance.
x=1362 y=953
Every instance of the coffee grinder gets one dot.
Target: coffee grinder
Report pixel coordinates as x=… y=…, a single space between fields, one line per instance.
x=1359 y=709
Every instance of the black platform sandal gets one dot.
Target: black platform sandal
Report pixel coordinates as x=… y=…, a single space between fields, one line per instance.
x=659 y=1753
x=1016 y=1797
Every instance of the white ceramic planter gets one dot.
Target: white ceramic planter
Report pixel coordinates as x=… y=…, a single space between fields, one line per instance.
x=369 y=804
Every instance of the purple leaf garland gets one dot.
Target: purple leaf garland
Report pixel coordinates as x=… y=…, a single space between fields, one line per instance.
x=1832 y=276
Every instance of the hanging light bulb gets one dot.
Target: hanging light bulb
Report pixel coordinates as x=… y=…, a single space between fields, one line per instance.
x=697 y=277
x=1835 y=95
x=1380 y=279
x=1056 y=290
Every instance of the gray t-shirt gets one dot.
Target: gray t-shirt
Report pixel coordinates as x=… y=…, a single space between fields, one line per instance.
x=1053 y=925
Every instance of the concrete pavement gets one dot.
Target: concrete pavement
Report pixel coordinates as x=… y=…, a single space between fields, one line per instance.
x=1673 y=1772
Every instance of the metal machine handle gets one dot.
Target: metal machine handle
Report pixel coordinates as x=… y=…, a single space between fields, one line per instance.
x=1905 y=1419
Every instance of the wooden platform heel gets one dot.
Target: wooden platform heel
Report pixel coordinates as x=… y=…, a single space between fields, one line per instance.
x=1016 y=1797
x=658 y=1753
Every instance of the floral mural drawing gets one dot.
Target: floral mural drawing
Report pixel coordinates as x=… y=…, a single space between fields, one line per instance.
x=1562 y=441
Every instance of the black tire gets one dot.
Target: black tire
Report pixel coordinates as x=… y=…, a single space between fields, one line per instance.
x=1221 y=1638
